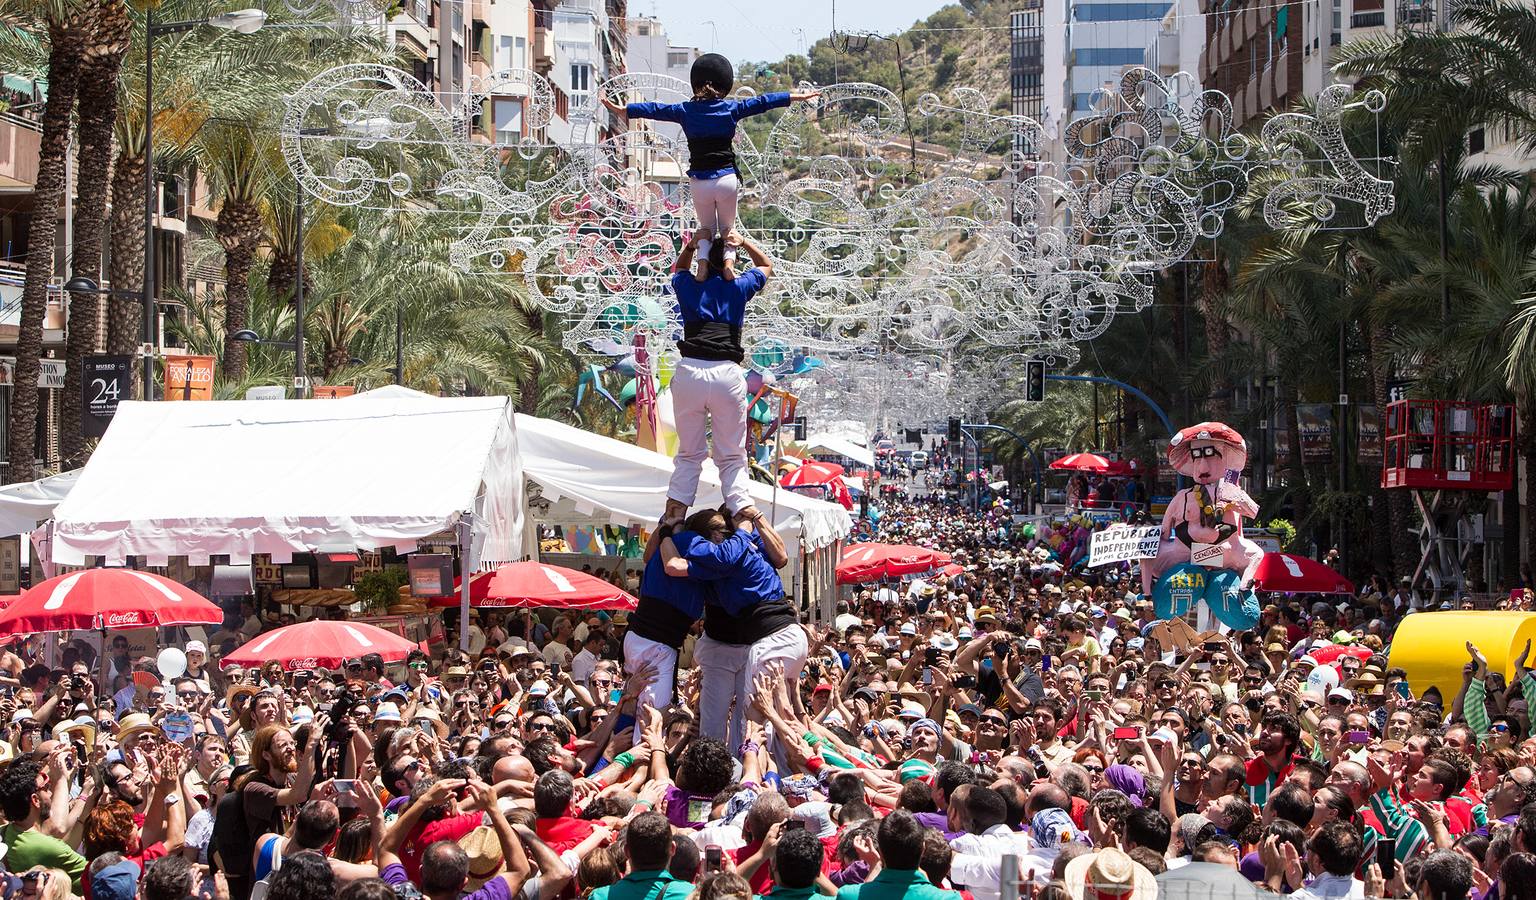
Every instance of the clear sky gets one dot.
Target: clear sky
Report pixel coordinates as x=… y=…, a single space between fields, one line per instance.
x=772 y=29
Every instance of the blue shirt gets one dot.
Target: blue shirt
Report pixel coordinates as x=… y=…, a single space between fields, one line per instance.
x=716 y=299
x=742 y=576
x=713 y=311
x=685 y=594
x=709 y=125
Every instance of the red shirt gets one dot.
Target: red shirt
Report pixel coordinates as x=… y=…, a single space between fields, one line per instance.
x=761 y=880
x=562 y=834
x=425 y=834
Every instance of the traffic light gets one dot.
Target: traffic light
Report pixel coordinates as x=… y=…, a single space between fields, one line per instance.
x=1034 y=380
x=954 y=429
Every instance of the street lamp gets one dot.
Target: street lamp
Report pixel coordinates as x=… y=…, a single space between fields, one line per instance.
x=247 y=336
x=240 y=21
x=295 y=346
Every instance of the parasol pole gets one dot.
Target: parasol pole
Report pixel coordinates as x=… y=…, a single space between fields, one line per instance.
x=778 y=439
x=465 y=547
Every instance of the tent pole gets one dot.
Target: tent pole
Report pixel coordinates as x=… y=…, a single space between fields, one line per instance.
x=465 y=539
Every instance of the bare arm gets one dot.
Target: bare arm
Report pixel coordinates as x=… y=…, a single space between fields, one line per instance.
x=554 y=873
x=685 y=257
x=653 y=543
x=759 y=258
x=773 y=545
x=675 y=565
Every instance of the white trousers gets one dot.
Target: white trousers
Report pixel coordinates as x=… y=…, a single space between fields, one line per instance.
x=727 y=674
x=714 y=201
x=658 y=693
x=717 y=389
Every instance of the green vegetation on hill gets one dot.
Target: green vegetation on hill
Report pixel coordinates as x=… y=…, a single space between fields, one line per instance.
x=963 y=44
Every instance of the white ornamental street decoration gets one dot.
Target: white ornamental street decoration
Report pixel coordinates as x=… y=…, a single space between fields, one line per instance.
x=886 y=246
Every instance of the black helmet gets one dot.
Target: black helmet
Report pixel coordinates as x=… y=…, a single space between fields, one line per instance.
x=714 y=70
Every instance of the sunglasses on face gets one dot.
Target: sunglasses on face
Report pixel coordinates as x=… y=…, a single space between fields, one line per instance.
x=989 y=722
x=541 y=726
x=1097 y=770
x=1203 y=453
x=418 y=666
x=187 y=695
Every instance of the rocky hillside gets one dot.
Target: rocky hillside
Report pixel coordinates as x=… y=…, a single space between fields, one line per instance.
x=963 y=44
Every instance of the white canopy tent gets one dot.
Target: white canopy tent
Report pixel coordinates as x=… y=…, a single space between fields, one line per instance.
x=26 y=504
x=241 y=477
x=621 y=484
x=819 y=445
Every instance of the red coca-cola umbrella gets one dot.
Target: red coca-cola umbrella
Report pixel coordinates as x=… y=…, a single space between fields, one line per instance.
x=538 y=584
x=107 y=598
x=319 y=644
x=862 y=563
x=1084 y=462
x=812 y=474
x=1288 y=573
x=952 y=570
x=479 y=583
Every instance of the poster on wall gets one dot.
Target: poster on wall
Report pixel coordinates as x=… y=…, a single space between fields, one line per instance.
x=10 y=565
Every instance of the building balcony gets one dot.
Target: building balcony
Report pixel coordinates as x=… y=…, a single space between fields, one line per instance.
x=20 y=141
x=1368 y=19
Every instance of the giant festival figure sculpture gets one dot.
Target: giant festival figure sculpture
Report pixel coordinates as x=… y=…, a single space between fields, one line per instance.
x=1203 y=529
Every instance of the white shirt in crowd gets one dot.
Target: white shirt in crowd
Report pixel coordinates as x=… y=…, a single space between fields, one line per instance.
x=557 y=654
x=582 y=665
x=1332 y=887
x=978 y=859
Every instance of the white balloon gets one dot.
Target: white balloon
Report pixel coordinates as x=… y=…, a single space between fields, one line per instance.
x=1323 y=679
x=171 y=662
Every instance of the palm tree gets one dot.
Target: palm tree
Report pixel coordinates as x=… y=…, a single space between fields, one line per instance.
x=203 y=75
x=236 y=158
x=102 y=58
x=67 y=24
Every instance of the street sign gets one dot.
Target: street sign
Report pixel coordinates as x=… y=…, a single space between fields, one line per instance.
x=105 y=381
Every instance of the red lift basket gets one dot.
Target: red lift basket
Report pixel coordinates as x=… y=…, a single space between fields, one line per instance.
x=1452 y=444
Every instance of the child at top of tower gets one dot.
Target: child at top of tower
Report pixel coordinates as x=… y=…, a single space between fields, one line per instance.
x=709 y=122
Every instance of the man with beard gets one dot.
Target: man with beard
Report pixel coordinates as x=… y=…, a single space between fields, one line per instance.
x=26 y=793
x=280 y=776
x=1277 y=742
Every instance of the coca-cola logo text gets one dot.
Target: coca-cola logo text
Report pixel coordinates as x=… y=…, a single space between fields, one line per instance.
x=308 y=663
x=115 y=620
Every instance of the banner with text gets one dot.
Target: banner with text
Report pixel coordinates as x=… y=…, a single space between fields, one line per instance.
x=1368 y=421
x=106 y=380
x=1123 y=544
x=189 y=377
x=1314 y=425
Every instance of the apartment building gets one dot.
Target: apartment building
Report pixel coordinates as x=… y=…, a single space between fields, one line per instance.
x=650 y=50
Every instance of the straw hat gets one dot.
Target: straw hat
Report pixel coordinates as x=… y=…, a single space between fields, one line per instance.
x=427 y=714
x=134 y=725
x=484 y=852
x=1112 y=873
x=85 y=726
